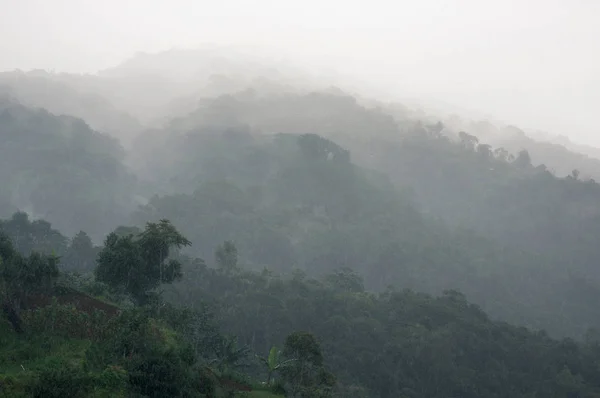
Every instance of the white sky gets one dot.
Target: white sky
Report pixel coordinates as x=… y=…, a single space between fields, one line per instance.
x=535 y=63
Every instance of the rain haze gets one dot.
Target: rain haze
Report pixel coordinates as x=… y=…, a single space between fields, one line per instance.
x=531 y=63
x=309 y=199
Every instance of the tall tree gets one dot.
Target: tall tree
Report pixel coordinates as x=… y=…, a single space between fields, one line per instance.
x=28 y=236
x=227 y=256
x=138 y=264
x=306 y=376
x=81 y=254
x=22 y=275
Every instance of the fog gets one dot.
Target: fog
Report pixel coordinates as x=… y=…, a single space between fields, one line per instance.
x=311 y=199
x=531 y=63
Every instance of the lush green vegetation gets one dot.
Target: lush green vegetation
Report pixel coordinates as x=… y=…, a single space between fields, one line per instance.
x=398 y=343
x=56 y=341
x=289 y=244
x=299 y=201
x=177 y=343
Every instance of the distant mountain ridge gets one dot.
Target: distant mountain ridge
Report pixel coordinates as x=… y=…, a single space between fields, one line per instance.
x=150 y=88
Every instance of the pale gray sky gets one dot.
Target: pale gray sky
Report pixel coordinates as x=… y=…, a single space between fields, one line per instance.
x=535 y=63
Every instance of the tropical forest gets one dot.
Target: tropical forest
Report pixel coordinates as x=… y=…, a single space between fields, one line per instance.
x=254 y=233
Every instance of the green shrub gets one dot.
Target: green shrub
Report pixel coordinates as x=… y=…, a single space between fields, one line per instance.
x=158 y=375
x=66 y=321
x=58 y=379
x=113 y=378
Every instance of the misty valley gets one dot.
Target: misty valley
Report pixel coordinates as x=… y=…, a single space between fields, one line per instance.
x=193 y=224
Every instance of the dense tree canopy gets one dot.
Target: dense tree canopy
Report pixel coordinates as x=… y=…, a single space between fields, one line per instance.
x=304 y=203
x=342 y=246
x=393 y=344
x=137 y=264
x=57 y=168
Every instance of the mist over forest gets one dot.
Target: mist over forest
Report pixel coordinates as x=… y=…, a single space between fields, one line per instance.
x=208 y=223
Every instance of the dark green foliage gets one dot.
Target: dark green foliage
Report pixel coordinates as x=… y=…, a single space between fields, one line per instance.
x=207 y=383
x=59 y=379
x=275 y=363
x=81 y=254
x=28 y=236
x=387 y=345
x=158 y=375
x=140 y=263
x=305 y=375
x=67 y=321
x=158 y=363
x=304 y=348
x=226 y=256
x=22 y=275
x=398 y=343
x=131 y=354
x=132 y=334
x=113 y=378
x=337 y=238
x=198 y=327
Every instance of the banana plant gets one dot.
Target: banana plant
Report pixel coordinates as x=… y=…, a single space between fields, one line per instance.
x=273 y=362
x=230 y=357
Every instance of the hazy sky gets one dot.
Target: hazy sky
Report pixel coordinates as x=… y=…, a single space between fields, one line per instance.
x=532 y=62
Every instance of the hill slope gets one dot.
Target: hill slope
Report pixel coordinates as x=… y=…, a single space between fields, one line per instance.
x=57 y=168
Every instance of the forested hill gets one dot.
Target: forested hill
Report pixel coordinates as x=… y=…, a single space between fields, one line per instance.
x=501 y=195
x=150 y=322
x=64 y=94
x=306 y=211
x=299 y=200
x=560 y=155
x=57 y=168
